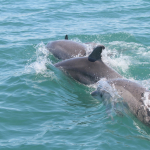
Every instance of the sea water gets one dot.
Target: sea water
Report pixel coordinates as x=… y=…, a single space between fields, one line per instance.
x=41 y=108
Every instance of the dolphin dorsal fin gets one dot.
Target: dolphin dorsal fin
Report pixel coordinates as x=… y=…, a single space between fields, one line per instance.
x=96 y=54
x=66 y=37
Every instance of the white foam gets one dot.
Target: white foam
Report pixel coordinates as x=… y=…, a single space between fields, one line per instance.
x=89 y=49
x=37 y=66
x=147 y=100
x=122 y=55
x=89 y=46
x=126 y=45
x=76 y=40
x=117 y=61
x=39 y=62
x=144 y=83
x=104 y=86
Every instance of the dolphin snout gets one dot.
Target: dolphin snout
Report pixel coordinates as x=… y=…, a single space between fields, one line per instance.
x=94 y=93
x=97 y=93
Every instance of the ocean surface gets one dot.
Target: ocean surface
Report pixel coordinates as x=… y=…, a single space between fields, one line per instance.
x=41 y=108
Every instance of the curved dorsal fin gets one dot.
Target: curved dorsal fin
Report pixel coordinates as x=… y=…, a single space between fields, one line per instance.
x=66 y=37
x=96 y=54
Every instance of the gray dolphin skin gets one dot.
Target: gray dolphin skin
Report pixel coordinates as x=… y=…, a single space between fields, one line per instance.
x=135 y=96
x=66 y=49
x=88 y=70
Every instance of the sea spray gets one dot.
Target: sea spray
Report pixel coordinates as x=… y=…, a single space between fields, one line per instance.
x=90 y=45
x=39 y=62
x=146 y=100
x=109 y=96
x=117 y=60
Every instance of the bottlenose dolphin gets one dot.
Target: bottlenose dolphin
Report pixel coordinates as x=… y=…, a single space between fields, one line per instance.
x=88 y=70
x=134 y=95
x=66 y=49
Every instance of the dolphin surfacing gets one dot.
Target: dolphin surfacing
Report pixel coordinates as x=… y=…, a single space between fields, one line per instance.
x=88 y=70
x=66 y=49
x=134 y=95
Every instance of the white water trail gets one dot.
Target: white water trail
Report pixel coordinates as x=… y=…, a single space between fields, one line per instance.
x=39 y=62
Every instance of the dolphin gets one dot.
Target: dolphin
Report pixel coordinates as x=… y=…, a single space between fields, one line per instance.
x=66 y=49
x=134 y=95
x=88 y=70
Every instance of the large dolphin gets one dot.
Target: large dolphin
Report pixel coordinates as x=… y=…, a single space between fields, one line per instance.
x=134 y=95
x=88 y=70
x=66 y=49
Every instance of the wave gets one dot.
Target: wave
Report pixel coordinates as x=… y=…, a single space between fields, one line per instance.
x=123 y=53
x=39 y=61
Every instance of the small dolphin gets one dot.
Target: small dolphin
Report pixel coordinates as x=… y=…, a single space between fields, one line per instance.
x=88 y=70
x=134 y=95
x=66 y=49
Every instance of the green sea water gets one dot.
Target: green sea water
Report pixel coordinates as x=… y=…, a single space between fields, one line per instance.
x=41 y=108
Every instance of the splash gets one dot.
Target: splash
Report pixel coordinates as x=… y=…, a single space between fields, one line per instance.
x=76 y=40
x=121 y=62
x=124 y=56
x=39 y=63
x=145 y=83
x=116 y=59
x=89 y=49
x=107 y=91
x=108 y=94
x=146 y=100
x=89 y=46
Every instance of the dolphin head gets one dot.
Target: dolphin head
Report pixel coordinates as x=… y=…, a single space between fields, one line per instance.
x=101 y=94
x=104 y=91
x=97 y=94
